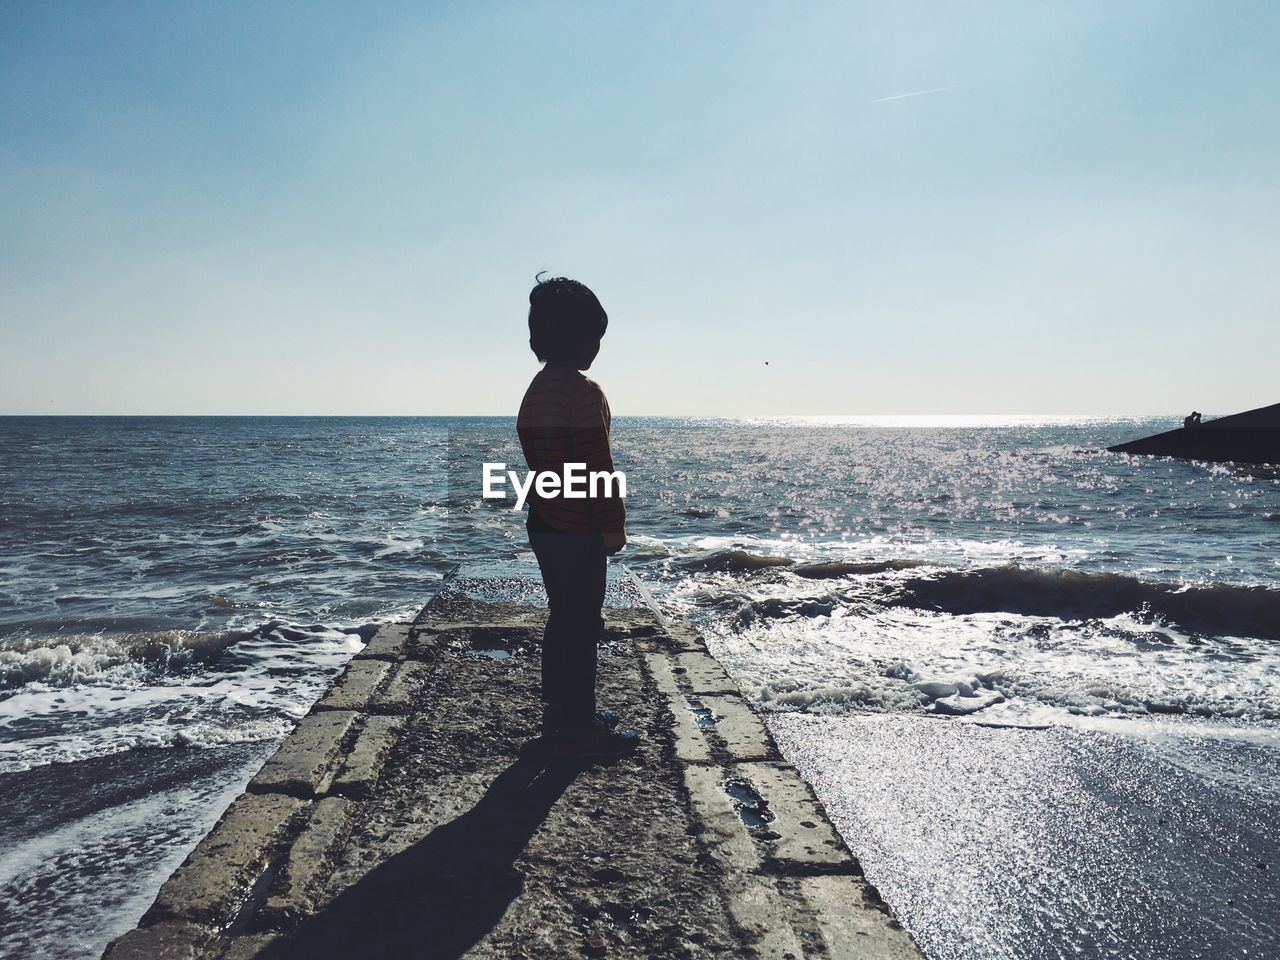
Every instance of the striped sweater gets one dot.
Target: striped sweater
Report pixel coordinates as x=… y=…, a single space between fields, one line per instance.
x=564 y=418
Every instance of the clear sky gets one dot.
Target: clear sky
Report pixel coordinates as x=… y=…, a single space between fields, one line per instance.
x=311 y=208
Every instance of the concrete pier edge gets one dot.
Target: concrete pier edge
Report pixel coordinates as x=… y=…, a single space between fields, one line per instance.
x=788 y=885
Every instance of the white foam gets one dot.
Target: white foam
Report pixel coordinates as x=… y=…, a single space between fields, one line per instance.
x=103 y=869
x=1001 y=667
x=105 y=695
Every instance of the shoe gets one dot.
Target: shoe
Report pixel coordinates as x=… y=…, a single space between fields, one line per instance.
x=551 y=726
x=596 y=742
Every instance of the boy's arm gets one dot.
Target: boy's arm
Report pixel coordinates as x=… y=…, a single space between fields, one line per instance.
x=590 y=435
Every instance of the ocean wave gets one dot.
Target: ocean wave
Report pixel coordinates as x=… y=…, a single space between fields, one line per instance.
x=781 y=608
x=64 y=661
x=738 y=560
x=733 y=561
x=80 y=658
x=158 y=733
x=1216 y=609
x=1219 y=608
x=832 y=569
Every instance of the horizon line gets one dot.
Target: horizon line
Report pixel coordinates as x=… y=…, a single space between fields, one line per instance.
x=652 y=416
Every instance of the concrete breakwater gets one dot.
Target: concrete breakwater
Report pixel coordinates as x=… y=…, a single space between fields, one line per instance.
x=406 y=816
x=1249 y=437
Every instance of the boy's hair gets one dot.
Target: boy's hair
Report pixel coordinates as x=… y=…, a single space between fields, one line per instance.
x=565 y=318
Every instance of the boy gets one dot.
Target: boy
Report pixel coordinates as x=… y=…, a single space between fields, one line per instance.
x=564 y=418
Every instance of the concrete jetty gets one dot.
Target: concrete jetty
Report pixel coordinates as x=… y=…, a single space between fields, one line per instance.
x=1249 y=437
x=406 y=816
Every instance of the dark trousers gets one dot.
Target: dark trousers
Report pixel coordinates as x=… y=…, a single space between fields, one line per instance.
x=573 y=571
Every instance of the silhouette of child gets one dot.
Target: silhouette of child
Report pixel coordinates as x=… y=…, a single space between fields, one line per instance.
x=564 y=418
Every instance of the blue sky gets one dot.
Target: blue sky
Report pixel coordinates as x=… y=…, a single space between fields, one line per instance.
x=313 y=208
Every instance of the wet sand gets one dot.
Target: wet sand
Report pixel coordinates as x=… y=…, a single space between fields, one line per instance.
x=1008 y=842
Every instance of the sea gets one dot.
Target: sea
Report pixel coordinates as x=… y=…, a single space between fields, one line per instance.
x=1035 y=684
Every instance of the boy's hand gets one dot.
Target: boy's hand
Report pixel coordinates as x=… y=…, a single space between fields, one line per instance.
x=614 y=540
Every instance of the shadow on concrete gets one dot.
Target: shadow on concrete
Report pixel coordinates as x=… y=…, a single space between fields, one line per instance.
x=441 y=896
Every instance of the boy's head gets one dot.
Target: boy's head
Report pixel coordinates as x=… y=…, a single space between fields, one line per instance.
x=566 y=322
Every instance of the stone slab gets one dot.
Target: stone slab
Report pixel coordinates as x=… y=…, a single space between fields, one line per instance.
x=402 y=692
x=639 y=621
x=170 y=939
x=722 y=830
x=761 y=912
x=806 y=841
x=477 y=637
x=633 y=626
x=304 y=763
x=356 y=686
x=702 y=674
x=753 y=899
x=739 y=729
x=534 y=621
x=213 y=882
x=256 y=946
x=307 y=863
x=691 y=745
x=389 y=643
x=363 y=764
x=852 y=920
x=678 y=638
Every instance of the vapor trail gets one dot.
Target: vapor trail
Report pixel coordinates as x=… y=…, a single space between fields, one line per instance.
x=915 y=93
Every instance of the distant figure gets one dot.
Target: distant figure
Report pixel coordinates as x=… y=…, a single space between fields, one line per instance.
x=565 y=418
x=1191 y=420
